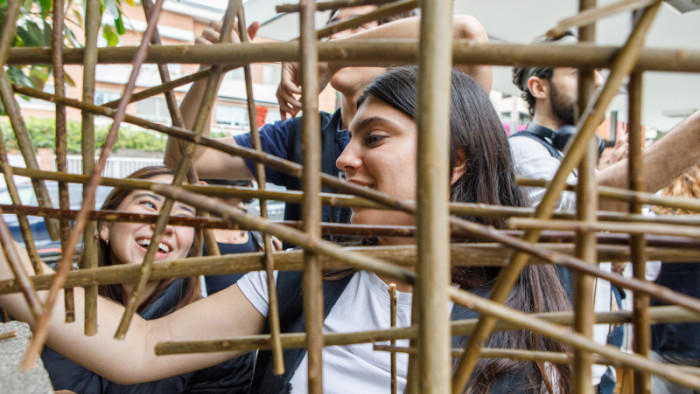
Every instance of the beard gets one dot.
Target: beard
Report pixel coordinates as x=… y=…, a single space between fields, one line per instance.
x=562 y=106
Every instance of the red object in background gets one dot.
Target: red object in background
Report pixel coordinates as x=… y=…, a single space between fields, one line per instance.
x=260 y=114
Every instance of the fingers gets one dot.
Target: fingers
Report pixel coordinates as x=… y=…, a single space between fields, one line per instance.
x=288 y=91
x=253 y=30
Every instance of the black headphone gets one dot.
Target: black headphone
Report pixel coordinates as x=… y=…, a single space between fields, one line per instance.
x=559 y=138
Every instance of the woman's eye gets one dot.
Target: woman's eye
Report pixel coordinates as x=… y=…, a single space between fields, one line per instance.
x=373 y=139
x=148 y=204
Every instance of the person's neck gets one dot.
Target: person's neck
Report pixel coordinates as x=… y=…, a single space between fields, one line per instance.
x=546 y=119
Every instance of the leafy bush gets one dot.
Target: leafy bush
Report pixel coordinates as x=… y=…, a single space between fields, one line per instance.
x=43 y=135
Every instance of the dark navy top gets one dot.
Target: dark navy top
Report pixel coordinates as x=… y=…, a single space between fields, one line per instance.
x=216 y=283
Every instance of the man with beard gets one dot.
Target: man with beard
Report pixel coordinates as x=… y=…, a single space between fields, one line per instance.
x=551 y=95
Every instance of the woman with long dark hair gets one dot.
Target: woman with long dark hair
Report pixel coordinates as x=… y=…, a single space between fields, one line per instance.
x=381 y=155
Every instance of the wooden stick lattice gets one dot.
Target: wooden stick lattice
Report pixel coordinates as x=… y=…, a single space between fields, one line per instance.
x=673 y=238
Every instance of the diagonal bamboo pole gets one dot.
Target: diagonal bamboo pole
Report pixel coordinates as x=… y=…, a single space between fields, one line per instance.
x=61 y=137
x=590 y=16
x=496 y=310
x=359 y=20
x=176 y=118
x=575 y=149
x=433 y=268
x=311 y=187
x=14 y=114
x=260 y=176
x=180 y=173
x=586 y=207
x=87 y=148
x=42 y=325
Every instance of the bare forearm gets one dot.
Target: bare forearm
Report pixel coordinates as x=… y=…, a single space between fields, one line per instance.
x=463 y=26
x=664 y=160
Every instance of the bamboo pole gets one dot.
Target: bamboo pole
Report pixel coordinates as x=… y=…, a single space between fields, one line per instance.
x=632 y=228
x=273 y=309
x=462 y=255
x=359 y=20
x=8 y=335
x=640 y=307
x=393 y=299
x=61 y=138
x=87 y=145
x=664 y=314
x=488 y=307
x=589 y=120
x=395 y=51
x=24 y=226
x=586 y=207
x=433 y=126
x=41 y=328
x=311 y=187
x=183 y=166
x=15 y=263
x=590 y=16
x=14 y=114
x=331 y=5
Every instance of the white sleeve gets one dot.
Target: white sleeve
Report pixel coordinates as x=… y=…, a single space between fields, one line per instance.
x=532 y=160
x=254 y=288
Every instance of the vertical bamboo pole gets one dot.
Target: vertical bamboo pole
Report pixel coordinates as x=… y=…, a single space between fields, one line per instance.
x=622 y=65
x=433 y=268
x=87 y=148
x=311 y=186
x=393 y=299
x=273 y=310
x=641 y=328
x=182 y=168
x=14 y=114
x=61 y=137
x=586 y=209
x=42 y=325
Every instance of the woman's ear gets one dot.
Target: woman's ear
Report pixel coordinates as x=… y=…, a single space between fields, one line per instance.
x=460 y=167
x=103 y=232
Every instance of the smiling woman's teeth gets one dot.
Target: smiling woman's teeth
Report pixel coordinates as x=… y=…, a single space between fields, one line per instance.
x=161 y=247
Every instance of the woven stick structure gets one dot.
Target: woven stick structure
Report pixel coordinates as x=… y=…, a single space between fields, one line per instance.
x=578 y=242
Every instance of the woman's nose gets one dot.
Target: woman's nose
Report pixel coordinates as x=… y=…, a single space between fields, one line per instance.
x=348 y=161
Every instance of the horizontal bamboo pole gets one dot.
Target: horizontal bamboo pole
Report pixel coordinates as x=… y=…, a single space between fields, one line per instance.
x=330 y=5
x=631 y=228
x=663 y=314
x=377 y=53
x=687 y=203
x=461 y=255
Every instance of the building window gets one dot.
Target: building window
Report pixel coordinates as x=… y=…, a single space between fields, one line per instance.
x=236 y=74
x=271 y=74
x=228 y=115
x=102 y=97
x=154 y=109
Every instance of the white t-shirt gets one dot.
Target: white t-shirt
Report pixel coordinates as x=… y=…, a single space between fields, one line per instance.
x=353 y=368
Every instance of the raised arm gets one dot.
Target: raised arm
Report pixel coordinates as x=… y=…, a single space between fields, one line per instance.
x=664 y=161
x=132 y=360
x=209 y=163
x=464 y=27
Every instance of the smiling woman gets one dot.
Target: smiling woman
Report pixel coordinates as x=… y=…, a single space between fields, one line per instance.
x=127 y=243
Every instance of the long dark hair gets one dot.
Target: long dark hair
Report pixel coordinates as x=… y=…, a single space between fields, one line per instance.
x=477 y=133
x=116 y=291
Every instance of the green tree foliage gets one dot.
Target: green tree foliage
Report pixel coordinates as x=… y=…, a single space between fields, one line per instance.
x=35 y=27
x=43 y=135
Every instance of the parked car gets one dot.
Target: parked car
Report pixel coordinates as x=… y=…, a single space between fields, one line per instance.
x=49 y=250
